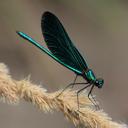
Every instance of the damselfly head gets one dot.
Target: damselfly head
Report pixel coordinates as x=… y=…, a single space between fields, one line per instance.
x=99 y=82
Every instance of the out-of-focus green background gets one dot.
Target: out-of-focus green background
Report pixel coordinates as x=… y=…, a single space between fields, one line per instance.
x=99 y=29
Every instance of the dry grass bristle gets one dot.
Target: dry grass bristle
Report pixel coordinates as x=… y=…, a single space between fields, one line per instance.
x=12 y=91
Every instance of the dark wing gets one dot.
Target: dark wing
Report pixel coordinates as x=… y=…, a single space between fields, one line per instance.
x=26 y=37
x=59 y=42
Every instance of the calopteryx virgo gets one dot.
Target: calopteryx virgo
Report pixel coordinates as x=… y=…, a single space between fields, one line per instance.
x=61 y=49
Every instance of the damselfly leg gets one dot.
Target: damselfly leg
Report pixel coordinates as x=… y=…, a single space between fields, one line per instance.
x=89 y=94
x=71 y=85
x=79 y=93
x=92 y=97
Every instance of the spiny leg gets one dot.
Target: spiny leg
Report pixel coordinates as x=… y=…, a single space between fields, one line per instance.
x=79 y=92
x=78 y=83
x=90 y=93
x=74 y=81
x=96 y=105
x=72 y=84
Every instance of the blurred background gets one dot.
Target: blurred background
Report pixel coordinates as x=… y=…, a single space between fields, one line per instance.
x=99 y=30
